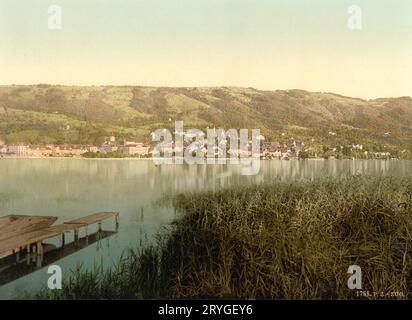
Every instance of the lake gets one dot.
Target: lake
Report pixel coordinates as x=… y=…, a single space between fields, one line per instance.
x=74 y=188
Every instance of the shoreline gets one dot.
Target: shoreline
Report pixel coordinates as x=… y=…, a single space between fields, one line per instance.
x=151 y=159
x=68 y=158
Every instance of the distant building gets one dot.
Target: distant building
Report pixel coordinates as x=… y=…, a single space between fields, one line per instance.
x=18 y=150
x=3 y=147
x=382 y=154
x=271 y=146
x=276 y=154
x=105 y=148
x=92 y=148
x=35 y=151
x=136 y=148
x=132 y=143
x=357 y=147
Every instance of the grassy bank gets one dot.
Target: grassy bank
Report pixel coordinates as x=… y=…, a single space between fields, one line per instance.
x=279 y=241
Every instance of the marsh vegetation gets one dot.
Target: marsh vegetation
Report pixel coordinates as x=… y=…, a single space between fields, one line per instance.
x=284 y=240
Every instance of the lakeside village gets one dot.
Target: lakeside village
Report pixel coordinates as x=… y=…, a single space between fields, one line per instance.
x=292 y=149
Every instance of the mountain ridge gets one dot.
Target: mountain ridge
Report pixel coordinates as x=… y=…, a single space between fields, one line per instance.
x=86 y=114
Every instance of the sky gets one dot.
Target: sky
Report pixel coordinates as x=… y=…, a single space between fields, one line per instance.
x=265 y=44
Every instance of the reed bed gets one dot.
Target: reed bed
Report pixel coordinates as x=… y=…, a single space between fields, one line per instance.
x=285 y=240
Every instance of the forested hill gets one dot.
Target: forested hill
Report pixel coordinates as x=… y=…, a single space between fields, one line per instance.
x=42 y=114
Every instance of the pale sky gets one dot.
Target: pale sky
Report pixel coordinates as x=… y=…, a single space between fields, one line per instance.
x=265 y=44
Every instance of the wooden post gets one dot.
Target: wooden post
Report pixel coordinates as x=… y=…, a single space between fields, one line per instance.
x=117 y=220
x=39 y=248
x=76 y=235
x=39 y=261
x=63 y=239
x=100 y=226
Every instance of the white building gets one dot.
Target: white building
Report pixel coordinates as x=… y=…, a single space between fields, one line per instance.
x=18 y=150
x=135 y=149
x=357 y=147
x=92 y=148
x=132 y=143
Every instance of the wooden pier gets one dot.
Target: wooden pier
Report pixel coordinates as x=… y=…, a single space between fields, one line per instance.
x=16 y=224
x=18 y=233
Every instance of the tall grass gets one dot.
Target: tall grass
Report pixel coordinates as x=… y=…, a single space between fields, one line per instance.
x=276 y=241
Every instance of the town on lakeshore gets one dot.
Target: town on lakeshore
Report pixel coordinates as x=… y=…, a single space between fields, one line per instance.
x=111 y=148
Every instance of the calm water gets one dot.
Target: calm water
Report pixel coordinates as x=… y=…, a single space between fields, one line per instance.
x=73 y=188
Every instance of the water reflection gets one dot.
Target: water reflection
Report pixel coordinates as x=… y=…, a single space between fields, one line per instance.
x=19 y=265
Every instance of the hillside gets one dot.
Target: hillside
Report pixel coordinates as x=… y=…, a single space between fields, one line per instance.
x=42 y=114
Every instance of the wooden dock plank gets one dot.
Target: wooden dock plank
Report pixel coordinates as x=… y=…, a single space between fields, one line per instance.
x=14 y=225
x=65 y=227
x=94 y=218
x=24 y=240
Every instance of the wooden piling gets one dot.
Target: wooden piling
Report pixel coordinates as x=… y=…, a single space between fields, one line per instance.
x=39 y=248
x=117 y=220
